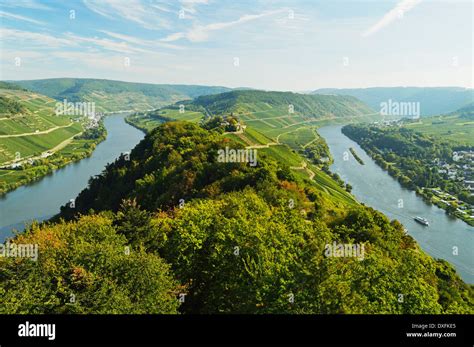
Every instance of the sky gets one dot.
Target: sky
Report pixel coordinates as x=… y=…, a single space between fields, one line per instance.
x=296 y=45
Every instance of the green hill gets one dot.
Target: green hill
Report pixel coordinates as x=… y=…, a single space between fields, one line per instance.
x=280 y=124
x=255 y=101
x=271 y=113
x=433 y=100
x=174 y=222
x=466 y=112
x=116 y=95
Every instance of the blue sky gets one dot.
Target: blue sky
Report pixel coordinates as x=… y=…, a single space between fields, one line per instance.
x=278 y=45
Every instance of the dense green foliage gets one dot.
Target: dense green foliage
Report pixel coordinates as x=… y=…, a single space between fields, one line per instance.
x=10 y=107
x=243 y=240
x=405 y=153
x=94 y=133
x=85 y=267
x=402 y=152
x=176 y=161
x=356 y=157
x=433 y=100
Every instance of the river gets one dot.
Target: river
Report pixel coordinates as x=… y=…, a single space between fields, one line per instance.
x=42 y=199
x=446 y=237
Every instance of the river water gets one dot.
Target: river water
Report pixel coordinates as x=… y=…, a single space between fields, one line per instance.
x=42 y=199
x=446 y=238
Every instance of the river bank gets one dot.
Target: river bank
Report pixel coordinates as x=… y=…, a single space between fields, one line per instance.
x=34 y=168
x=40 y=200
x=446 y=238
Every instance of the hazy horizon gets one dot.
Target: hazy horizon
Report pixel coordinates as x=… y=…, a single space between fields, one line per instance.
x=238 y=87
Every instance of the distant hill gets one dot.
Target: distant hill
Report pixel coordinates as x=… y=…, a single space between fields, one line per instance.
x=117 y=95
x=254 y=101
x=433 y=101
x=466 y=111
x=8 y=85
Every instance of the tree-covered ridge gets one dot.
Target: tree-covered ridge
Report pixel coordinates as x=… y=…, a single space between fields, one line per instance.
x=112 y=96
x=244 y=101
x=8 y=85
x=244 y=240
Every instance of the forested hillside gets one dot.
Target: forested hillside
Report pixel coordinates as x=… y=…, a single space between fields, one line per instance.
x=268 y=120
x=116 y=95
x=244 y=101
x=175 y=230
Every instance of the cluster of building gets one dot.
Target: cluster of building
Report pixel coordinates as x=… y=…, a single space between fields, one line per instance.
x=461 y=170
x=93 y=120
x=389 y=123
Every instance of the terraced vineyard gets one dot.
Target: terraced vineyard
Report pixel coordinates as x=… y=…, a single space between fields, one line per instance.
x=35 y=141
x=34 y=131
x=453 y=128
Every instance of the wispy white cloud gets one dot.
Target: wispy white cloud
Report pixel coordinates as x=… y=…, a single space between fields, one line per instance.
x=9 y=15
x=201 y=32
x=139 y=41
x=38 y=39
x=115 y=46
x=190 y=5
x=395 y=13
x=136 y=11
x=32 y=4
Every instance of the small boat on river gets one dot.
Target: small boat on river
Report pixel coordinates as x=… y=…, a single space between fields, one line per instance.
x=422 y=220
